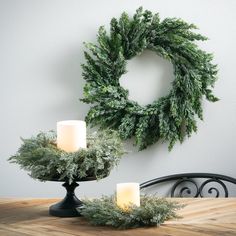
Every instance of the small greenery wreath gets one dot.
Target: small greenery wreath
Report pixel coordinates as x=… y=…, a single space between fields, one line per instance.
x=170 y=118
x=44 y=161
x=153 y=211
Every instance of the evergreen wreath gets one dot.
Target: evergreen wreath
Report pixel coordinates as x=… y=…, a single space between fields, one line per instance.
x=153 y=211
x=41 y=158
x=169 y=118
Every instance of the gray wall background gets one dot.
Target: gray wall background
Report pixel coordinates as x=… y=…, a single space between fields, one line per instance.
x=40 y=55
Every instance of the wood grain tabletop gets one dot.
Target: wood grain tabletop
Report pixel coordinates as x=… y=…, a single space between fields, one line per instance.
x=201 y=216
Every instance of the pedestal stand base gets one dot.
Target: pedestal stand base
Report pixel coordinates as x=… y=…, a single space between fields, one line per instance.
x=67 y=207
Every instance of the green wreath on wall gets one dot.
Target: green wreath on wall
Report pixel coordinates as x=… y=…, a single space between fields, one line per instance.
x=169 y=118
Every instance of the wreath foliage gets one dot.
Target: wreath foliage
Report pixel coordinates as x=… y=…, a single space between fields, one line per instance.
x=44 y=161
x=153 y=211
x=169 y=118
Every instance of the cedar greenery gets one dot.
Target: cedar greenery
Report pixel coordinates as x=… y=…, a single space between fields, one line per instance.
x=170 y=118
x=153 y=211
x=44 y=161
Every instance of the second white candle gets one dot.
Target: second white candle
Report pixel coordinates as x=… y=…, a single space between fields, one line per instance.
x=127 y=193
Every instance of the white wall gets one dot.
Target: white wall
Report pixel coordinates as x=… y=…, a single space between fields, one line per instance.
x=40 y=55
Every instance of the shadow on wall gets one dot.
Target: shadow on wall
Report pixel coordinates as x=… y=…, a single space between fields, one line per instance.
x=67 y=76
x=148 y=77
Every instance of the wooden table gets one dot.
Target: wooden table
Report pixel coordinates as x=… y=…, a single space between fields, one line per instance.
x=200 y=217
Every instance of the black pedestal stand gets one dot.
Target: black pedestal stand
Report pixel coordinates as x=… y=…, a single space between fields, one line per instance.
x=67 y=207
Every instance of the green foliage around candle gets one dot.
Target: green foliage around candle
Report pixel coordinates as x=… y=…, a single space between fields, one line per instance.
x=153 y=211
x=172 y=117
x=41 y=158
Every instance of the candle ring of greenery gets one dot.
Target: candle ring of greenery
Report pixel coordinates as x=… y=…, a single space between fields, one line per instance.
x=170 y=118
x=153 y=211
x=44 y=161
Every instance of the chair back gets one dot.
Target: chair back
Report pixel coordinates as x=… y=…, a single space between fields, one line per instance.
x=194 y=184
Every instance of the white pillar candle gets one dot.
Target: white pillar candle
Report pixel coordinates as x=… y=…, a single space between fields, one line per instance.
x=127 y=193
x=71 y=135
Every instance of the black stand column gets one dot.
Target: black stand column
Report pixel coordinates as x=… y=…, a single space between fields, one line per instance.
x=67 y=207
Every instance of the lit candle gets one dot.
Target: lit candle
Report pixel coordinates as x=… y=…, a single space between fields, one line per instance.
x=71 y=135
x=127 y=193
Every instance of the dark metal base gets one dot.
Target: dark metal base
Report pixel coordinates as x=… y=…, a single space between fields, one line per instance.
x=67 y=207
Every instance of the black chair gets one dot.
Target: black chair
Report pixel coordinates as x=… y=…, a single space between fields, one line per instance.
x=194 y=184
